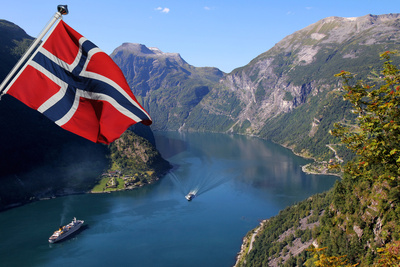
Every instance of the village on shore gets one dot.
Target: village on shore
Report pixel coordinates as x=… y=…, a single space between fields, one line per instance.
x=117 y=181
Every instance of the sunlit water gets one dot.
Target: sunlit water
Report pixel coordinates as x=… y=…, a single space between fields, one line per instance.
x=239 y=181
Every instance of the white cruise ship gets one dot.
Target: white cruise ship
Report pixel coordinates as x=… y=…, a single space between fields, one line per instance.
x=66 y=230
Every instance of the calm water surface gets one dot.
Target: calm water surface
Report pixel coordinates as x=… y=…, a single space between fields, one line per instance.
x=240 y=181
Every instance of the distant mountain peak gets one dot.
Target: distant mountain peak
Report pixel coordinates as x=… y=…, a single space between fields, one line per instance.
x=335 y=31
x=368 y=17
x=137 y=49
x=141 y=50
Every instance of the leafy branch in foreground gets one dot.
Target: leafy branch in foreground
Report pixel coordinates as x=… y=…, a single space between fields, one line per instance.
x=389 y=255
x=322 y=260
x=375 y=139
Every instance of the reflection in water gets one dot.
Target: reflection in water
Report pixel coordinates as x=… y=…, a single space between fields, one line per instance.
x=205 y=161
x=246 y=179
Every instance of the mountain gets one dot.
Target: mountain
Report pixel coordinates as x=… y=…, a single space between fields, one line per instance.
x=292 y=95
x=288 y=94
x=167 y=86
x=14 y=41
x=356 y=223
x=38 y=158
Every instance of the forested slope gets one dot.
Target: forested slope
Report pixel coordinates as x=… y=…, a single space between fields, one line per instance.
x=359 y=219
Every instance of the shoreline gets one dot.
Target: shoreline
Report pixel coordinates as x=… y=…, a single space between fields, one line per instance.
x=247 y=244
x=123 y=189
x=72 y=192
x=248 y=240
x=304 y=167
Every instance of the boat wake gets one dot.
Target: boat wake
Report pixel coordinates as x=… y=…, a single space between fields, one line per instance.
x=198 y=182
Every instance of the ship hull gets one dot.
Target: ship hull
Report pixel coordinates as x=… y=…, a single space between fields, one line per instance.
x=190 y=196
x=71 y=228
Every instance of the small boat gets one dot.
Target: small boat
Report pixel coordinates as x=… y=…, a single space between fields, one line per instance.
x=190 y=196
x=66 y=230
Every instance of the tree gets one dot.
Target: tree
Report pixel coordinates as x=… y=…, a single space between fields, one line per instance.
x=389 y=255
x=375 y=139
x=322 y=260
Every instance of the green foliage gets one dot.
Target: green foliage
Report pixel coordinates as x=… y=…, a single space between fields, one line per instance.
x=221 y=106
x=168 y=87
x=260 y=92
x=375 y=138
x=363 y=215
x=389 y=255
x=131 y=153
x=242 y=127
x=322 y=260
x=134 y=161
x=294 y=129
x=267 y=244
x=288 y=96
x=357 y=223
x=13 y=43
x=360 y=224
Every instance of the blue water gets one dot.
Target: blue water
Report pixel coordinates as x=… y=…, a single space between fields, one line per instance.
x=240 y=181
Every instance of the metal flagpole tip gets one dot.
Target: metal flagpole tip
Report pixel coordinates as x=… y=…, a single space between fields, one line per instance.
x=63 y=9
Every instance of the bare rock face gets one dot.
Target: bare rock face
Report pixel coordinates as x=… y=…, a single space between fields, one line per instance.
x=290 y=84
x=303 y=64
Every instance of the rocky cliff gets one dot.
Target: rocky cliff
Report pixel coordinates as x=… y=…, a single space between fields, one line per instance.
x=303 y=64
x=168 y=87
x=288 y=94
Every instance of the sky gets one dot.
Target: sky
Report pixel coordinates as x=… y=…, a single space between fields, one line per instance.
x=220 y=33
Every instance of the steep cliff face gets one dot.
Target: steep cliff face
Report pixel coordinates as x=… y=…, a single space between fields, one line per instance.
x=290 y=86
x=303 y=64
x=282 y=93
x=147 y=68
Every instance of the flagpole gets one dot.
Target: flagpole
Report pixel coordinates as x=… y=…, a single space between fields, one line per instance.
x=61 y=10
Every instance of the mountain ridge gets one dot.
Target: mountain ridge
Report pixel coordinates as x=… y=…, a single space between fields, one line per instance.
x=166 y=84
x=288 y=95
x=142 y=50
x=297 y=70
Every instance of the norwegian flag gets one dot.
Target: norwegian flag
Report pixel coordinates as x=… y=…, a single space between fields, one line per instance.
x=79 y=87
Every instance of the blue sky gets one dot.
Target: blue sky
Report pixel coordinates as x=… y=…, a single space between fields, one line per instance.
x=221 y=33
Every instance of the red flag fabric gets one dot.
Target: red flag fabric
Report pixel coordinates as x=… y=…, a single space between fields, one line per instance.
x=79 y=87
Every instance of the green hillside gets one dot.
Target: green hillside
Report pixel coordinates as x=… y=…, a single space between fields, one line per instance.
x=357 y=223
x=288 y=94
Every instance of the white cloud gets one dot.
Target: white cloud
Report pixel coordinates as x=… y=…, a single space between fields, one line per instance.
x=162 y=9
x=208 y=8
